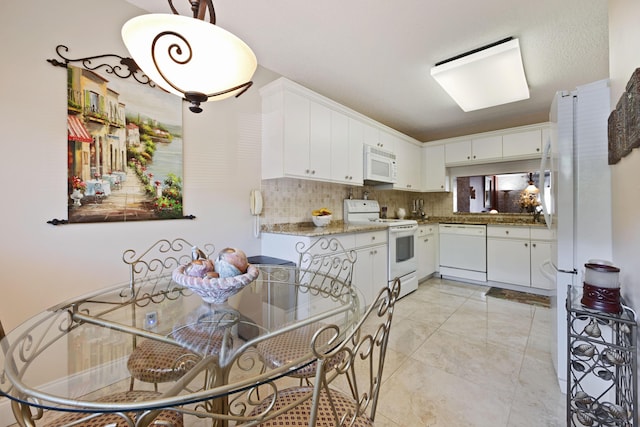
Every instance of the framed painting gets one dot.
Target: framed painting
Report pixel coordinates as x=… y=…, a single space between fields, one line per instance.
x=124 y=149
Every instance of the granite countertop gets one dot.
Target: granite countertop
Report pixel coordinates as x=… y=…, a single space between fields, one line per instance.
x=308 y=229
x=523 y=220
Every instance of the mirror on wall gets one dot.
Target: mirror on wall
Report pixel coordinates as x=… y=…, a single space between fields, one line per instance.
x=484 y=193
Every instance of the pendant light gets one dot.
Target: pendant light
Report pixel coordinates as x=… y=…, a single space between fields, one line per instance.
x=190 y=57
x=531 y=188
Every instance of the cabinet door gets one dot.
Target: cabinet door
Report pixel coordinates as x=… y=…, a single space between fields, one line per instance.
x=319 y=142
x=487 y=148
x=339 y=147
x=356 y=152
x=388 y=141
x=540 y=252
x=526 y=144
x=296 y=135
x=508 y=261
x=426 y=251
x=434 y=170
x=379 y=278
x=432 y=252
x=409 y=162
x=457 y=152
x=370 y=272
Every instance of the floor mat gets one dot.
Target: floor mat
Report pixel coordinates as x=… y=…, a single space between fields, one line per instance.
x=517 y=296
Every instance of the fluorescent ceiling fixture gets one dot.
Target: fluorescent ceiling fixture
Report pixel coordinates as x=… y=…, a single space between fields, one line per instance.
x=485 y=77
x=190 y=57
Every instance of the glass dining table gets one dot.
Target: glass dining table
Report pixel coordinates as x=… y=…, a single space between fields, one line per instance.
x=73 y=356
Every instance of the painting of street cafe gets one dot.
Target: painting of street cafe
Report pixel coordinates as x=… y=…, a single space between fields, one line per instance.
x=124 y=149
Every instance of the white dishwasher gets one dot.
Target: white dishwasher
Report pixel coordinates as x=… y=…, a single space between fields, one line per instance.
x=463 y=251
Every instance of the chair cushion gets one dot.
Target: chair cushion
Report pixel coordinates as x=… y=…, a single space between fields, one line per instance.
x=158 y=362
x=299 y=416
x=284 y=349
x=166 y=418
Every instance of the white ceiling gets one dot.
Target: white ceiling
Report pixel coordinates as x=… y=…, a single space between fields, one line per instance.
x=374 y=56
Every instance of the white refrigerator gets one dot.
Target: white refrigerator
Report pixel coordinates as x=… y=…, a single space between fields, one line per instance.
x=580 y=205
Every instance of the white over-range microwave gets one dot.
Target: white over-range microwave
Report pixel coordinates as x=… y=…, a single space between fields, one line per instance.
x=379 y=165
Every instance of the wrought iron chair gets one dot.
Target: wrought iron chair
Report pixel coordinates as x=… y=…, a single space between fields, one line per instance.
x=152 y=361
x=359 y=373
x=328 y=267
x=164 y=418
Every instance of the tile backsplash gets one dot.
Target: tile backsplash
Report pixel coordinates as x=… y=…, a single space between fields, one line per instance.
x=290 y=200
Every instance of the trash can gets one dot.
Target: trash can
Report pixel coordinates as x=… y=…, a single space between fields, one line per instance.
x=269 y=305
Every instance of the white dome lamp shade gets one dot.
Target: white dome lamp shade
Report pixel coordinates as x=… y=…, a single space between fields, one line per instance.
x=190 y=57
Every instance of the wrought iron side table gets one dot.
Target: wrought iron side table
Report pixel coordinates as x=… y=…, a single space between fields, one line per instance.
x=602 y=366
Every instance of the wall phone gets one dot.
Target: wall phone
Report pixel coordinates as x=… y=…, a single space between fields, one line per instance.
x=256 y=202
x=256 y=209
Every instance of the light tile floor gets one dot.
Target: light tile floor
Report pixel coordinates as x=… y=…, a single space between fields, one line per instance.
x=458 y=358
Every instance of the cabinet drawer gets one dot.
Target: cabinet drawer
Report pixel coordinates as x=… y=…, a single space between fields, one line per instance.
x=540 y=233
x=508 y=232
x=373 y=238
x=425 y=230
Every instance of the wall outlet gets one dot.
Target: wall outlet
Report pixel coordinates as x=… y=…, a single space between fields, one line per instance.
x=150 y=320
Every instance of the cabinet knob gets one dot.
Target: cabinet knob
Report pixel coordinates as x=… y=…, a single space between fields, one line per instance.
x=526 y=245
x=313 y=172
x=307 y=171
x=506 y=232
x=373 y=237
x=537 y=149
x=474 y=156
x=533 y=245
x=468 y=157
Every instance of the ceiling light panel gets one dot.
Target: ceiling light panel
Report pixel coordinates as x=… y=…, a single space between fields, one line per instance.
x=485 y=77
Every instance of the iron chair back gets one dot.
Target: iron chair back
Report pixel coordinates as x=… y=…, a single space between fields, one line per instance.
x=362 y=353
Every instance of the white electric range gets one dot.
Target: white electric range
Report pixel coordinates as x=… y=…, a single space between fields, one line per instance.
x=402 y=240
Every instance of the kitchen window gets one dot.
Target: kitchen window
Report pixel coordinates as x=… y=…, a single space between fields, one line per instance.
x=494 y=186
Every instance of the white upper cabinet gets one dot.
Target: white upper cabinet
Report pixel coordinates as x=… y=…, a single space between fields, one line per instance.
x=497 y=146
x=347 y=138
x=486 y=148
x=458 y=152
x=388 y=141
x=522 y=144
x=319 y=162
x=481 y=149
x=409 y=160
x=434 y=172
x=306 y=135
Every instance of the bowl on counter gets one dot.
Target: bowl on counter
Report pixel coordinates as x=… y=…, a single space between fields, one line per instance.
x=321 y=220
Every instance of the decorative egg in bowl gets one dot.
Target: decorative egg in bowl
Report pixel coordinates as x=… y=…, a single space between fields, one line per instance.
x=217 y=281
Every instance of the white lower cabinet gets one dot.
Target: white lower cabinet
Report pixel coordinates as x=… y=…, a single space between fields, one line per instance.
x=426 y=250
x=370 y=272
x=515 y=253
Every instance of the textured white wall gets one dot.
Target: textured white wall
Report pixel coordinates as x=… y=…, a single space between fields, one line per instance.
x=624 y=58
x=42 y=264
